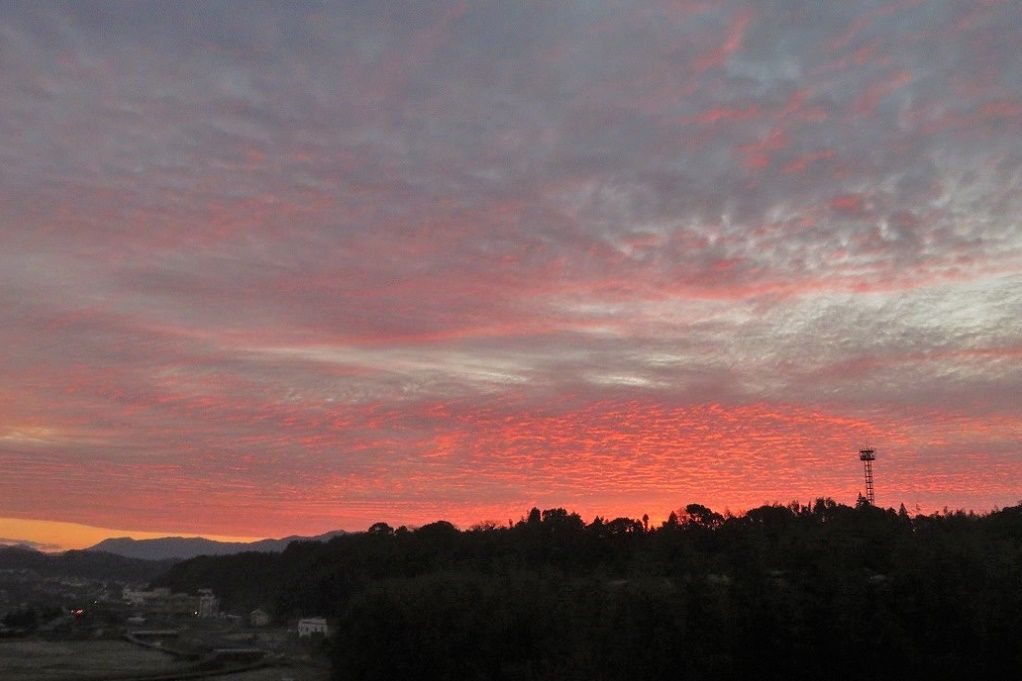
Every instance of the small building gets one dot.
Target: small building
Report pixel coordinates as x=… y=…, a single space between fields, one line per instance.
x=312 y=626
x=161 y=601
x=140 y=597
x=259 y=618
x=209 y=605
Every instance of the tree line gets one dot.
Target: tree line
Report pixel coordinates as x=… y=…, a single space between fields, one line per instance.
x=802 y=591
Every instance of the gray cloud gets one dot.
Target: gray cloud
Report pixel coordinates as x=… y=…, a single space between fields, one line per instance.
x=24 y=543
x=219 y=226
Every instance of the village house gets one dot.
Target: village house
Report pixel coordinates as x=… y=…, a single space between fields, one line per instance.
x=209 y=605
x=259 y=618
x=312 y=626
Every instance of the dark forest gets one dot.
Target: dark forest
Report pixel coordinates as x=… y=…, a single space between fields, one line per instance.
x=781 y=592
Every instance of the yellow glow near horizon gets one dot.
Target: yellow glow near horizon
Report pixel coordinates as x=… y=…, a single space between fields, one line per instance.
x=53 y=535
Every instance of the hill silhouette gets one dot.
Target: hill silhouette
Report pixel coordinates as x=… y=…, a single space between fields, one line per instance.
x=178 y=548
x=781 y=592
x=83 y=564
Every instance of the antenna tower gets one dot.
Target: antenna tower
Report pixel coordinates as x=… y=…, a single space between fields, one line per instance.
x=867 y=456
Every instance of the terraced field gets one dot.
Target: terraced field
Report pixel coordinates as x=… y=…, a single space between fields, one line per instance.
x=29 y=660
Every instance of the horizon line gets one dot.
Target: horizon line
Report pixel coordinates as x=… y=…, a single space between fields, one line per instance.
x=57 y=536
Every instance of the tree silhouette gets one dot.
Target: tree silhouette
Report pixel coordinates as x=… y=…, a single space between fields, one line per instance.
x=803 y=591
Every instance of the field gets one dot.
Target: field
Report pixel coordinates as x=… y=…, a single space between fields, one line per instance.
x=277 y=674
x=27 y=660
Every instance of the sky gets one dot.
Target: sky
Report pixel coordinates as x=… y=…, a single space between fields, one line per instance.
x=277 y=268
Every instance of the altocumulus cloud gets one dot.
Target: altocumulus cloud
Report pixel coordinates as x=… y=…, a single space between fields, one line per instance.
x=300 y=266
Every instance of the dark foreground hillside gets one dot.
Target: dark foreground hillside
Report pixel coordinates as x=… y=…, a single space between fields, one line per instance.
x=82 y=564
x=823 y=591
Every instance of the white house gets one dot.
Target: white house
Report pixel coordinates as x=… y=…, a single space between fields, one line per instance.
x=310 y=626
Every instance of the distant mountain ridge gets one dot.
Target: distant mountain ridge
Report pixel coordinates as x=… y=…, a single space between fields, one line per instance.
x=182 y=548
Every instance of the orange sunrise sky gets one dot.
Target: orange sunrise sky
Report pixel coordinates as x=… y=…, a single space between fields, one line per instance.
x=310 y=266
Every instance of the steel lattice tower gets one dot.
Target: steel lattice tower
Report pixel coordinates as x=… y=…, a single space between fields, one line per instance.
x=867 y=456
